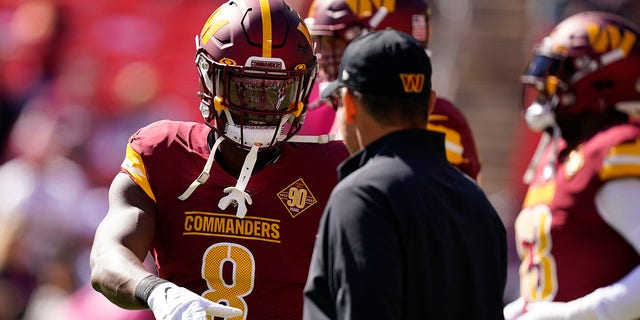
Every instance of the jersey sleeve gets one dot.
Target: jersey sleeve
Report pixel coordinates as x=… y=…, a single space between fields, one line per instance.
x=143 y=144
x=134 y=167
x=622 y=160
x=460 y=144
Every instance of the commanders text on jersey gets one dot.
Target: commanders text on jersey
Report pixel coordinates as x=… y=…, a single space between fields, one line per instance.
x=218 y=224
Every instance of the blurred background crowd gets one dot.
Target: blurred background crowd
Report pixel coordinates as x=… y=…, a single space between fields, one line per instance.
x=77 y=78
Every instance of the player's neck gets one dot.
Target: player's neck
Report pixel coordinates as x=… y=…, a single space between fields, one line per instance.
x=231 y=158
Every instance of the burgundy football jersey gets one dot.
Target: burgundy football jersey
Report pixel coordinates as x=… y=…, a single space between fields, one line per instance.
x=567 y=250
x=459 y=141
x=258 y=263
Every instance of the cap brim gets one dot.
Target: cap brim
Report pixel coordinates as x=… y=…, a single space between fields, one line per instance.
x=331 y=88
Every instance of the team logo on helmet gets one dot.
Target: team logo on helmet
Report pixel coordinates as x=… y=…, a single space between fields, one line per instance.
x=604 y=38
x=297 y=197
x=212 y=26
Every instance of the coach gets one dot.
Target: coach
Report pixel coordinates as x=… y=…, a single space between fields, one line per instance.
x=405 y=235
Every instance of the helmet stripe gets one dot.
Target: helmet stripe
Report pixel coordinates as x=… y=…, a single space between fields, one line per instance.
x=303 y=28
x=267 y=31
x=210 y=28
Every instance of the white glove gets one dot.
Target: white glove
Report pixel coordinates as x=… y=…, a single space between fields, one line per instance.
x=170 y=302
x=544 y=310
x=514 y=309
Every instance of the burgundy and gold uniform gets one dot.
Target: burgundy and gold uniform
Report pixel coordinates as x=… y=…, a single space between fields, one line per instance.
x=459 y=141
x=567 y=250
x=259 y=262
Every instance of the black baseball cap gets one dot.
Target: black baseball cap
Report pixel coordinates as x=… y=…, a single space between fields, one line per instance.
x=387 y=63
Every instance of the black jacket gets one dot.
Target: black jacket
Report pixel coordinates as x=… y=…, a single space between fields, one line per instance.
x=405 y=235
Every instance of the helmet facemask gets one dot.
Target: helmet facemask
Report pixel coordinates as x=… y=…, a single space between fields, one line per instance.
x=250 y=105
x=546 y=88
x=543 y=91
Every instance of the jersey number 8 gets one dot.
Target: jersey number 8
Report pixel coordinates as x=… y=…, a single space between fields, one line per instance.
x=240 y=283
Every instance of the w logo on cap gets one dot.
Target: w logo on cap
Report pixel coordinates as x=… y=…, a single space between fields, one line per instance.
x=412 y=82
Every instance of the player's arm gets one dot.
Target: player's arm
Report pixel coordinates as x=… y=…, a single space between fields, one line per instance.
x=121 y=243
x=619 y=205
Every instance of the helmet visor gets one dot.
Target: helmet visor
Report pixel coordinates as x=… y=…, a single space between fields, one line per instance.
x=262 y=95
x=542 y=65
x=258 y=101
x=260 y=98
x=542 y=78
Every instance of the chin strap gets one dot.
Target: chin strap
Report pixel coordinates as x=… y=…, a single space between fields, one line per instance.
x=204 y=175
x=549 y=169
x=320 y=139
x=542 y=144
x=549 y=172
x=236 y=195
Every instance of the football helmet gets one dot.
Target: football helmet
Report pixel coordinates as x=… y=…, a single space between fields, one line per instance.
x=334 y=23
x=588 y=64
x=256 y=68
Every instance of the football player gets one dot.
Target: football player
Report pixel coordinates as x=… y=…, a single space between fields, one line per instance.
x=335 y=23
x=228 y=208
x=578 y=234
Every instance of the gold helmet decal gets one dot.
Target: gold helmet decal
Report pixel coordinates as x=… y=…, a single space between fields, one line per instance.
x=303 y=28
x=610 y=37
x=212 y=26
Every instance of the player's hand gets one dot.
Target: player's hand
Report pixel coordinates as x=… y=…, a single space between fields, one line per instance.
x=170 y=302
x=514 y=309
x=545 y=310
